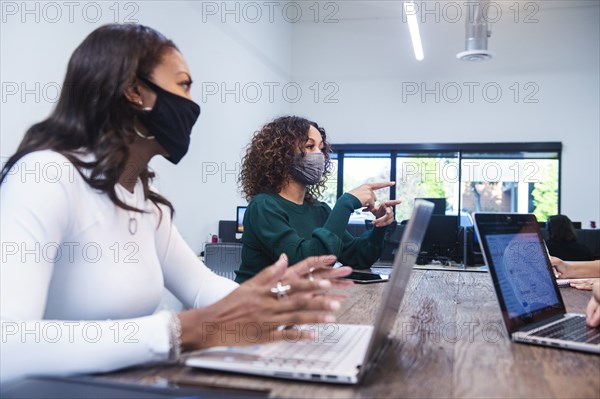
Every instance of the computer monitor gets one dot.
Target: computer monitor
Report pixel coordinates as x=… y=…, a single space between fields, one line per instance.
x=239 y=220
x=439 y=205
x=474 y=256
x=441 y=239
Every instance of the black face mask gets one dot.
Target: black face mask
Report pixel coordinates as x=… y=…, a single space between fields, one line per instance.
x=170 y=121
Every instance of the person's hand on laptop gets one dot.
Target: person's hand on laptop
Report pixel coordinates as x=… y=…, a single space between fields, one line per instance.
x=578 y=269
x=585 y=285
x=593 y=308
x=561 y=267
x=255 y=311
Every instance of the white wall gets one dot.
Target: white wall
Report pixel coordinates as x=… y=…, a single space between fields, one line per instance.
x=367 y=56
x=362 y=61
x=36 y=53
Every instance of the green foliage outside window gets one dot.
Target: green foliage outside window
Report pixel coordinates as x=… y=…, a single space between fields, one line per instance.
x=545 y=193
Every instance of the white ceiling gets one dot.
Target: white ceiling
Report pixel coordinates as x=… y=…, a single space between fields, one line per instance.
x=560 y=36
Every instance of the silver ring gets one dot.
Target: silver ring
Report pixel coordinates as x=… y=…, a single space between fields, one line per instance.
x=310 y=275
x=281 y=290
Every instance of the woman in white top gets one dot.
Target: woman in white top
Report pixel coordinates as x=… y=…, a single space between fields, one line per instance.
x=88 y=244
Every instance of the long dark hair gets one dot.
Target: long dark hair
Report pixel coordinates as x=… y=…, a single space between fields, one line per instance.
x=561 y=229
x=270 y=154
x=93 y=115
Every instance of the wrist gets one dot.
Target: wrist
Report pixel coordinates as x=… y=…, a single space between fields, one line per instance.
x=189 y=341
x=352 y=200
x=174 y=338
x=196 y=332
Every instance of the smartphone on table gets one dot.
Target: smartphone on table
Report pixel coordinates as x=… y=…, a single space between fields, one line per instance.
x=367 y=278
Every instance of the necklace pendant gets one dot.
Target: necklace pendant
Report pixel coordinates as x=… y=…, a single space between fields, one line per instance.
x=132 y=225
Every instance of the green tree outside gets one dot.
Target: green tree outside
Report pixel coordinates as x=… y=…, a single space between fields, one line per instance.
x=545 y=193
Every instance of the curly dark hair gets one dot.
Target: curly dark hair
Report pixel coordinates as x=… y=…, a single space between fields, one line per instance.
x=269 y=157
x=93 y=115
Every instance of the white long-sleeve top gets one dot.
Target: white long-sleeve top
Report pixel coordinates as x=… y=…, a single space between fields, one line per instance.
x=78 y=290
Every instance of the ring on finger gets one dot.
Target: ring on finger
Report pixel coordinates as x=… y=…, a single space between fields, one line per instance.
x=281 y=290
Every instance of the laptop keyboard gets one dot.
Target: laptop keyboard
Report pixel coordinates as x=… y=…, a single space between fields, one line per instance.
x=332 y=343
x=571 y=329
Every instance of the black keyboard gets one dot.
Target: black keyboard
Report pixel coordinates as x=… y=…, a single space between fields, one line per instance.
x=571 y=329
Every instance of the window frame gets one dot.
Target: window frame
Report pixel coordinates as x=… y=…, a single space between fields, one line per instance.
x=394 y=150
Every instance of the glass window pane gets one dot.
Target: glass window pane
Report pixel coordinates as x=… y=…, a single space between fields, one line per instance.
x=510 y=185
x=510 y=155
x=426 y=176
x=330 y=194
x=521 y=181
x=366 y=168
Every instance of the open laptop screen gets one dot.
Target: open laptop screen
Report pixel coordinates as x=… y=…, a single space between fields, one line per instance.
x=408 y=250
x=520 y=268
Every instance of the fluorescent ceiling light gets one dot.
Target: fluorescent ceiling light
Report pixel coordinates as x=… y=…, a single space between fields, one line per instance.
x=410 y=10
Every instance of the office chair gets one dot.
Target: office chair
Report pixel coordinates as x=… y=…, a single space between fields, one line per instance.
x=223 y=258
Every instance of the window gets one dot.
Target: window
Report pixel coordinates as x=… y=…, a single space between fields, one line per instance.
x=425 y=176
x=330 y=194
x=493 y=177
x=366 y=168
x=525 y=184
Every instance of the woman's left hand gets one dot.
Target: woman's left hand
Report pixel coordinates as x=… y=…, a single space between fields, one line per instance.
x=383 y=212
x=585 y=285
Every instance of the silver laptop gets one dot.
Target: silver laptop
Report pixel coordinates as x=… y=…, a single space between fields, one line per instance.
x=530 y=300
x=340 y=353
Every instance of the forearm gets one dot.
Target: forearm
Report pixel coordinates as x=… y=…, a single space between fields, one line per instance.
x=58 y=347
x=361 y=252
x=340 y=214
x=377 y=235
x=188 y=278
x=589 y=269
x=322 y=242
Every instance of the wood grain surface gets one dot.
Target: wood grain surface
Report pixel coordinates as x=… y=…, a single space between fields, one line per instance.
x=448 y=342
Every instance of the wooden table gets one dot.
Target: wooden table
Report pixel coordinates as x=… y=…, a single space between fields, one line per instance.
x=448 y=341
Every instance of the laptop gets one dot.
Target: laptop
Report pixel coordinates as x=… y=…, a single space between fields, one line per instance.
x=339 y=353
x=529 y=297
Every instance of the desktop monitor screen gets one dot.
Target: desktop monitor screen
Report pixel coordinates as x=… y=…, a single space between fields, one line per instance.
x=241 y=210
x=439 y=205
x=441 y=238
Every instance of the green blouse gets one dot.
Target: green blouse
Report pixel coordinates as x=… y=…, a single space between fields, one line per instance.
x=274 y=225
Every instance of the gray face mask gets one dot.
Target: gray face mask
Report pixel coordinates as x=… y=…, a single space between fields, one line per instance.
x=308 y=169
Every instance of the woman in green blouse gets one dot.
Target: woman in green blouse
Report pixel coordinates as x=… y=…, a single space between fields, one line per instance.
x=283 y=172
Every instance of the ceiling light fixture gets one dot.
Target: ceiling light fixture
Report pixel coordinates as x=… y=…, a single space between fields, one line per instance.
x=410 y=10
x=477 y=33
